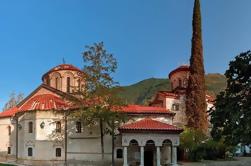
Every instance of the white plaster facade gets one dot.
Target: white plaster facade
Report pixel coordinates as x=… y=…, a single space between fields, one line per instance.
x=34 y=138
x=7 y=137
x=162 y=154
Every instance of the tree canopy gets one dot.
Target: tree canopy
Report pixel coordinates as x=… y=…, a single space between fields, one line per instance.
x=231 y=117
x=98 y=99
x=14 y=99
x=196 y=91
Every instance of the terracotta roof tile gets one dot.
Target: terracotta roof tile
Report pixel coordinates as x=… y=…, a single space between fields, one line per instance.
x=138 y=109
x=169 y=94
x=44 y=102
x=180 y=68
x=150 y=124
x=62 y=67
x=9 y=113
x=210 y=99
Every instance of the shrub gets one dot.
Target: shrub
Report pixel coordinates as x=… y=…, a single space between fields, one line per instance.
x=191 y=139
x=197 y=146
x=213 y=150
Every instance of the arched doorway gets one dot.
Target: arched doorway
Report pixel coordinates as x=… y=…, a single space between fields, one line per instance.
x=149 y=153
x=134 y=153
x=166 y=152
x=180 y=154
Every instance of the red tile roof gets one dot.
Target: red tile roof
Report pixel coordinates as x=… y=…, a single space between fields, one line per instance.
x=210 y=99
x=138 y=109
x=149 y=124
x=181 y=68
x=8 y=113
x=62 y=67
x=44 y=102
x=162 y=95
x=169 y=94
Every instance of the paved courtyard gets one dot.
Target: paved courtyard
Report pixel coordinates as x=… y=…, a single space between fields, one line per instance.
x=241 y=161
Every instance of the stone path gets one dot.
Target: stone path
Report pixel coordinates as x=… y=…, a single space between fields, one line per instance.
x=240 y=161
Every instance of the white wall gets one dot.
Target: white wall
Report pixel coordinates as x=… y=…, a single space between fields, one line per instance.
x=62 y=77
x=7 y=140
x=180 y=114
x=44 y=141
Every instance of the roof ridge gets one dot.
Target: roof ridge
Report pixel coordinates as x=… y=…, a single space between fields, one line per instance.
x=150 y=124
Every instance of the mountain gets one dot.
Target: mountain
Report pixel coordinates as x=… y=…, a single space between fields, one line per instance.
x=143 y=91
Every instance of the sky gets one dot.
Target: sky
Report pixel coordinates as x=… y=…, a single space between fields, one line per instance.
x=149 y=38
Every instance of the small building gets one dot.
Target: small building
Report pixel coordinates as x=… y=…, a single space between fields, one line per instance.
x=40 y=130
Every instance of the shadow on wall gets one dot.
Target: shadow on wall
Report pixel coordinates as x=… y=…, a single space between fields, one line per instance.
x=42 y=137
x=7 y=139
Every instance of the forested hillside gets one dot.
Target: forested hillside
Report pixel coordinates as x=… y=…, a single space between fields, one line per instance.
x=143 y=91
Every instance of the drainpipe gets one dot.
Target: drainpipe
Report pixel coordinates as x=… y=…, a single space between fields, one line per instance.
x=65 y=136
x=113 y=143
x=16 y=118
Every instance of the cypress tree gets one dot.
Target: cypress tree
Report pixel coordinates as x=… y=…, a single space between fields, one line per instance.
x=196 y=96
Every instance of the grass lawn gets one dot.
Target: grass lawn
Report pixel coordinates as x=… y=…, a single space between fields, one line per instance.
x=5 y=164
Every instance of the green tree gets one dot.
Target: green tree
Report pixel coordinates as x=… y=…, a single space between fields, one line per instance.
x=98 y=99
x=191 y=140
x=196 y=97
x=231 y=117
x=14 y=99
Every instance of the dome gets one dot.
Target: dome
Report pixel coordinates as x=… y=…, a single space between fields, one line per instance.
x=179 y=78
x=180 y=68
x=62 y=67
x=64 y=77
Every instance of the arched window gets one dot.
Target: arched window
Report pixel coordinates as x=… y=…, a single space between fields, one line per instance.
x=58 y=152
x=78 y=127
x=119 y=153
x=68 y=85
x=171 y=85
x=57 y=83
x=30 y=127
x=180 y=82
x=134 y=142
x=175 y=107
x=9 y=130
x=79 y=84
x=58 y=127
x=9 y=150
x=30 y=153
x=185 y=83
x=47 y=80
x=150 y=142
x=166 y=143
x=68 y=81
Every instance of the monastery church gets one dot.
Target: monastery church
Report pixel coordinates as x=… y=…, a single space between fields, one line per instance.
x=39 y=132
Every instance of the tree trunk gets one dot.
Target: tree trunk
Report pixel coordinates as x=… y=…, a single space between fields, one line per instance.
x=16 y=137
x=113 y=143
x=102 y=137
